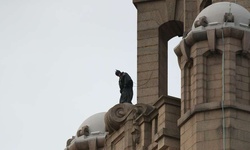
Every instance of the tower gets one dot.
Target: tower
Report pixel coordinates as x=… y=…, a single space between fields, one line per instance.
x=158 y=22
x=214 y=61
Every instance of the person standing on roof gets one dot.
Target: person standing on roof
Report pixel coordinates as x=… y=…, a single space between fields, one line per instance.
x=126 y=87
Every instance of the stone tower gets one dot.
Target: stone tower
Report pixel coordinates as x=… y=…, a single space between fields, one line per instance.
x=213 y=112
x=215 y=64
x=158 y=22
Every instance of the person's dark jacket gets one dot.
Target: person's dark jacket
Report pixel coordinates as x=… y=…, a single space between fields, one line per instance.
x=126 y=88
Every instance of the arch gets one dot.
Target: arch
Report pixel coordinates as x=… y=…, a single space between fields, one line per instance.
x=171 y=29
x=204 y=4
x=167 y=31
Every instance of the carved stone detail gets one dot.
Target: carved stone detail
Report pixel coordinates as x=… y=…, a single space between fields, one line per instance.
x=118 y=115
x=228 y=17
x=136 y=133
x=83 y=131
x=69 y=141
x=201 y=22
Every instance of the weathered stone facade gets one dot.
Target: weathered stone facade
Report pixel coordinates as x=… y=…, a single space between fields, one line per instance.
x=214 y=59
x=143 y=126
x=215 y=92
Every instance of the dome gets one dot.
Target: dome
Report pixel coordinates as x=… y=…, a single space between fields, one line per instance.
x=215 y=14
x=95 y=123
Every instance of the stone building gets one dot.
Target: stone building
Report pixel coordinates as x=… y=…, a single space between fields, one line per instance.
x=214 y=108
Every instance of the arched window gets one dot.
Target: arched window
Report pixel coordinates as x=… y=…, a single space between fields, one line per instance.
x=204 y=4
x=167 y=31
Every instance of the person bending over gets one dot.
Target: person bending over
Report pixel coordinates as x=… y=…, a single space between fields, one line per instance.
x=126 y=87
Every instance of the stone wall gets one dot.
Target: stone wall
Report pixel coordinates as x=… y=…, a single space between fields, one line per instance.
x=158 y=21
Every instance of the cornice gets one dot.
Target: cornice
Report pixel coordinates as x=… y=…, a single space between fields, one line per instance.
x=210 y=107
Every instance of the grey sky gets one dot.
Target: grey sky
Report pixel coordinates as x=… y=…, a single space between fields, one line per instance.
x=57 y=63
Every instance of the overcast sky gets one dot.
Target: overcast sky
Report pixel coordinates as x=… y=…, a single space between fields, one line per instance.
x=57 y=63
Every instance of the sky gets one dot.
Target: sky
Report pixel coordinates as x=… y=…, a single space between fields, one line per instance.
x=57 y=64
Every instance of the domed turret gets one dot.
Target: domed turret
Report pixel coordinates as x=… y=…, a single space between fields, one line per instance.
x=95 y=124
x=219 y=13
x=90 y=135
x=214 y=60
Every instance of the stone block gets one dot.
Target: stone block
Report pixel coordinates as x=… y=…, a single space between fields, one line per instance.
x=200 y=100
x=146 y=75
x=241 y=115
x=243 y=86
x=147 y=91
x=172 y=117
x=208 y=125
x=147 y=25
x=199 y=69
x=244 y=62
x=241 y=70
x=146 y=34
x=230 y=64
x=215 y=114
x=147 y=83
x=199 y=136
x=218 y=92
x=214 y=69
x=230 y=87
x=213 y=134
x=238 y=144
x=229 y=96
x=246 y=96
x=199 y=146
x=241 y=135
x=147 y=99
x=215 y=84
x=145 y=16
x=147 y=58
x=211 y=77
x=213 y=144
x=240 y=124
x=147 y=66
x=166 y=142
x=229 y=72
x=147 y=50
x=190 y=142
x=217 y=76
x=173 y=109
x=148 y=42
x=245 y=79
x=187 y=135
x=199 y=117
x=147 y=7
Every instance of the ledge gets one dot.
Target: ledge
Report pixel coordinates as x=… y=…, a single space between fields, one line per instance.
x=165 y=132
x=140 y=1
x=212 y=106
x=167 y=100
x=200 y=33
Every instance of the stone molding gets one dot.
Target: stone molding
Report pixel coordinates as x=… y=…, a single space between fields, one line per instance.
x=212 y=106
x=143 y=1
x=212 y=34
x=167 y=100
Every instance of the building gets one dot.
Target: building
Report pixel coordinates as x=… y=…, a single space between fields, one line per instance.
x=214 y=59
